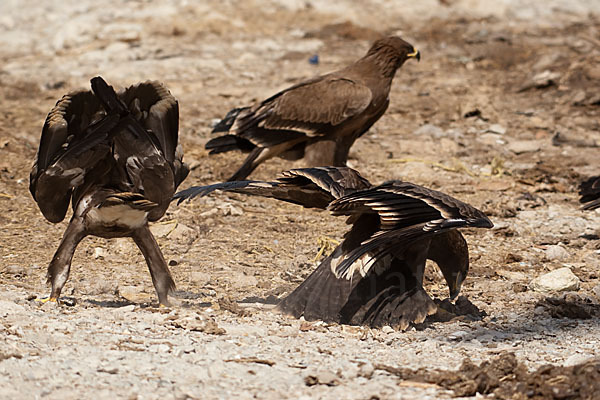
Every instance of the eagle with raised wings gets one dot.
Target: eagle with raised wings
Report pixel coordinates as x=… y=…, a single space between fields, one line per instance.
x=116 y=159
x=375 y=275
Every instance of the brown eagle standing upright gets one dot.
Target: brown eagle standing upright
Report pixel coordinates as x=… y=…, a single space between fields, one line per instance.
x=117 y=160
x=318 y=119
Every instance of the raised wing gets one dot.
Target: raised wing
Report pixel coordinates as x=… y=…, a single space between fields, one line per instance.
x=70 y=145
x=147 y=148
x=407 y=212
x=87 y=133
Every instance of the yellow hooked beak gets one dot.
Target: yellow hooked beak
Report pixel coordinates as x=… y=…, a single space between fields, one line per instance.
x=414 y=54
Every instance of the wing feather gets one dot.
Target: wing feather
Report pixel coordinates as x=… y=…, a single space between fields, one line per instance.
x=310 y=108
x=308 y=187
x=407 y=212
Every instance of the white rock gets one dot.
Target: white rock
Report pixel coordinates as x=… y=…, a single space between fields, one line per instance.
x=183 y=233
x=497 y=128
x=430 y=130
x=524 y=146
x=14 y=269
x=596 y=291
x=366 y=370
x=200 y=277
x=556 y=252
x=240 y=280
x=387 y=329
x=561 y=279
x=99 y=252
x=162 y=229
x=576 y=359
x=545 y=77
x=230 y=209
x=125 y=309
x=458 y=335
x=491 y=139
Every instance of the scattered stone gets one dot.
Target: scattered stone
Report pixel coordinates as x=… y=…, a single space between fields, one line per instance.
x=429 y=130
x=524 y=146
x=126 y=309
x=458 y=335
x=99 y=252
x=366 y=370
x=198 y=323
x=596 y=291
x=497 y=128
x=200 y=278
x=183 y=234
x=491 y=139
x=134 y=294
x=519 y=287
x=230 y=209
x=122 y=32
x=240 y=280
x=230 y=305
x=561 y=279
x=101 y=287
x=540 y=81
x=577 y=359
x=67 y=301
x=539 y=310
x=162 y=229
x=255 y=360
x=322 y=377
x=556 y=252
x=387 y=329
x=123 y=246
x=15 y=269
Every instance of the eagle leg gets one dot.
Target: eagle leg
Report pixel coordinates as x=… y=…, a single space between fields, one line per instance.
x=60 y=266
x=161 y=277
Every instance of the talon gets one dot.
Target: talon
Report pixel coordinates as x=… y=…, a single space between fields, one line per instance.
x=47 y=299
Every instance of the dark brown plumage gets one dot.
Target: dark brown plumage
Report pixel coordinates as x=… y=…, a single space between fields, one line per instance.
x=375 y=275
x=318 y=119
x=589 y=190
x=117 y=160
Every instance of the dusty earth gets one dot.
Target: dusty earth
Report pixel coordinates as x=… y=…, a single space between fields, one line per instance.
x=502 y=112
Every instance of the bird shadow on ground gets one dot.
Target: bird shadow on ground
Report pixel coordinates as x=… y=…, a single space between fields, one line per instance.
x=109 y=303
x=549 y=317
x=269 y=300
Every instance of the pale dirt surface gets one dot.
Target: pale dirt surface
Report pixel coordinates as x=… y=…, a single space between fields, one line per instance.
x=501 y=112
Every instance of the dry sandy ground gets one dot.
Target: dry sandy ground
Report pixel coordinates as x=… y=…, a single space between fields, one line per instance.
x=502 y=112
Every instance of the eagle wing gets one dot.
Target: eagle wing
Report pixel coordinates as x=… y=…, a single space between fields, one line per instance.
x=406 y=212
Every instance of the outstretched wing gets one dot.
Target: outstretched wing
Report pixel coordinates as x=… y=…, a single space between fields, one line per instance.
x=589 y=190
x=407 y=212
x=308 y=187
x=70 y=146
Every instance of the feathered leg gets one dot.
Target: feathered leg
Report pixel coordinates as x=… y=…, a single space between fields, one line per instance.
x=161 y=277
x=60 y=266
